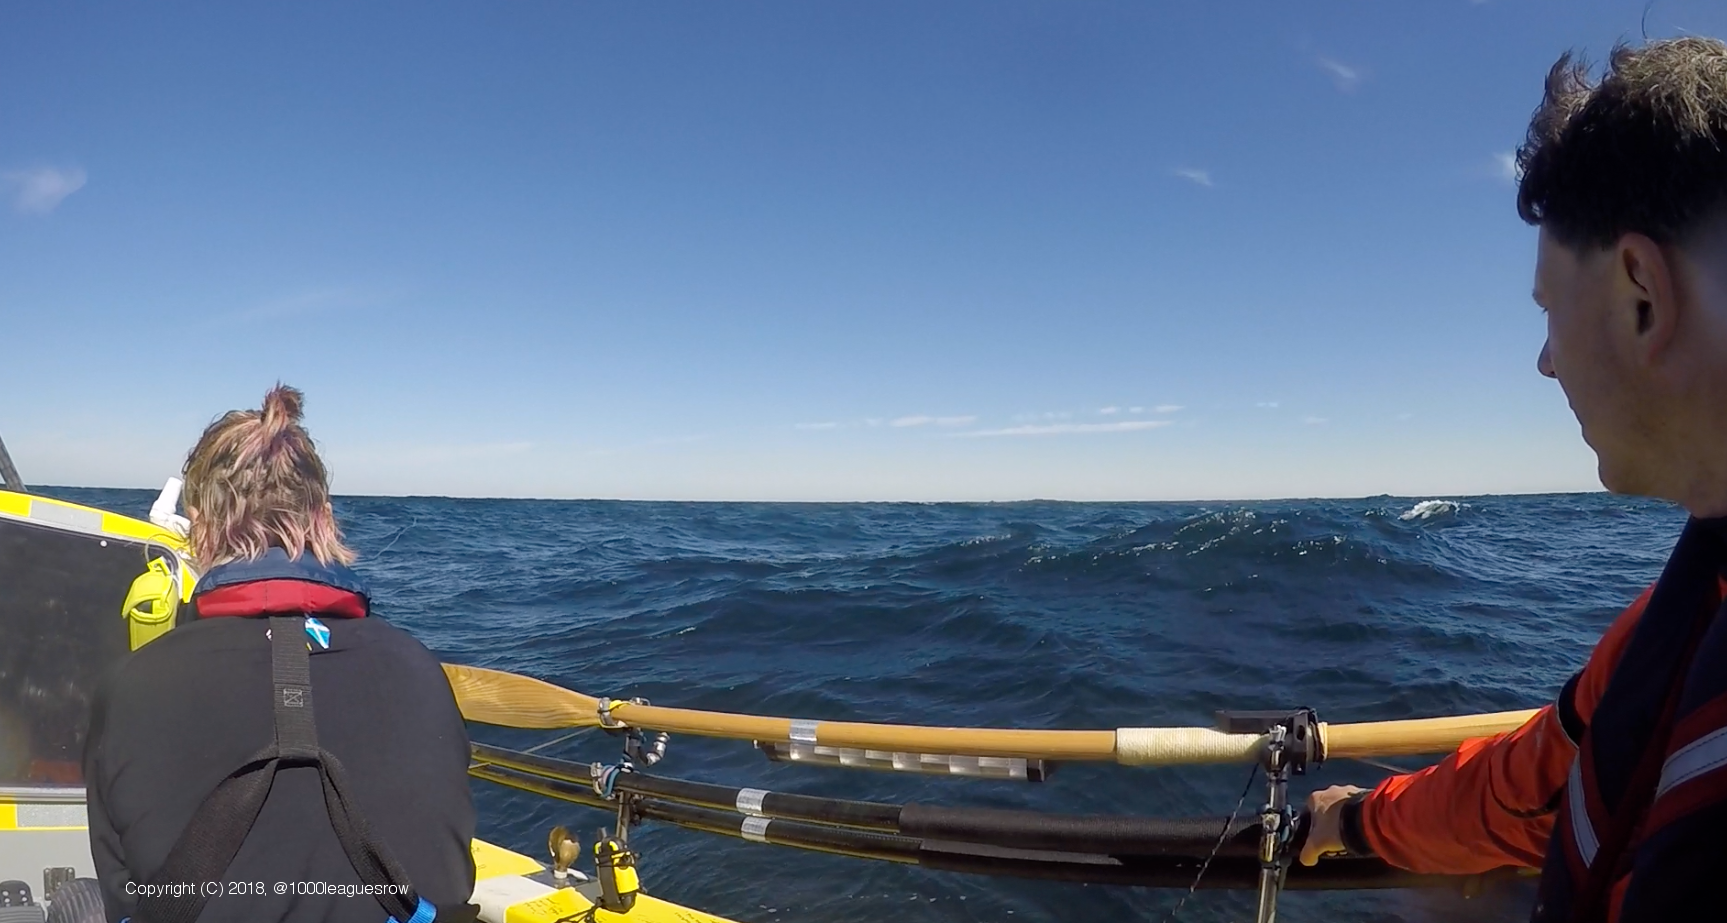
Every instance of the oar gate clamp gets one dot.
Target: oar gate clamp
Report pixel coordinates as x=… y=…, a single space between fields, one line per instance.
x=605 y=710
x=638 y=749
x=1292 y=743
x=614 y=861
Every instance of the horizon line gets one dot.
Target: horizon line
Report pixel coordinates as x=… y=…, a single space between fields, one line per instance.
x=1141 y=500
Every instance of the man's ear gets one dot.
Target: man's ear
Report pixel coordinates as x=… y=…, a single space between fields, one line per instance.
x=1647 y=295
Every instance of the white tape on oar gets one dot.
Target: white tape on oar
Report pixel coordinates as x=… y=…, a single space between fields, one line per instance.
x=755 y=828
x=1177 y=746
x=749 y=801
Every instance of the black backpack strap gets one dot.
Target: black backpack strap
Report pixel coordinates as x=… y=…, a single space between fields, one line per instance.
x=368 y=855
x=206 y=847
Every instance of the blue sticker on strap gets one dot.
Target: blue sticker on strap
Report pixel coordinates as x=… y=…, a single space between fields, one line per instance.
x=318 y=632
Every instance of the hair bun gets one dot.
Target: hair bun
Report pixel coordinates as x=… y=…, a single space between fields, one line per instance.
x=282 y=407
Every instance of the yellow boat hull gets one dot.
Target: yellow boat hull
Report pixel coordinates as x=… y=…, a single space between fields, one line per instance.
x=512 y=888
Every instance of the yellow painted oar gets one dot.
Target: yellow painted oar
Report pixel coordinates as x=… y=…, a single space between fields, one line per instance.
x=1416 y=735
x=515 y=701
x=507 y=699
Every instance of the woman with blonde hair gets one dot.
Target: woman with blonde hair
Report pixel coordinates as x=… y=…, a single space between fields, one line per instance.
x=206 y=760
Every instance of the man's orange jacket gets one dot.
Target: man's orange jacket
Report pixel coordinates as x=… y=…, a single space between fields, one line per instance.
x=1497 y=801
x=1492 y=803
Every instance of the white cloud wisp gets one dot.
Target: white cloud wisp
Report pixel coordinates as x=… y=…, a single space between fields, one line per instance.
x=40 y=191
x=1345 y=77
x=921 y=420
x=1196 y=177
x=1059 y=429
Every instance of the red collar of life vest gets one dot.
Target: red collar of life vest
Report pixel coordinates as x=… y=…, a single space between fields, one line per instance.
x=279 y=597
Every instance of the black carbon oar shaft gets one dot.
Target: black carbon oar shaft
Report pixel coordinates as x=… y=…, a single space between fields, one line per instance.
x=1157 y=871
x=1086 y=833
x=868 y=815
x=846 y=841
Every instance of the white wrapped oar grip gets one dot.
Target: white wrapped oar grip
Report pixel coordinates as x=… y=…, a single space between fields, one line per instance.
x=1178 y=746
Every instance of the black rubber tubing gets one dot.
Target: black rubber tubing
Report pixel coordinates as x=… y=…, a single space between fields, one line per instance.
x=1235 y=872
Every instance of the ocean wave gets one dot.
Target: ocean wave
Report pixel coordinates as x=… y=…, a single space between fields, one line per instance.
x=1429 y=509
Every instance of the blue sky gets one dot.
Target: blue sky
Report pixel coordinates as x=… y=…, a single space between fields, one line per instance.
x=830 y=251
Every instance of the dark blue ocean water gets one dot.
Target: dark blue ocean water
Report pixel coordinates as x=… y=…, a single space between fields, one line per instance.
x=1030 y=614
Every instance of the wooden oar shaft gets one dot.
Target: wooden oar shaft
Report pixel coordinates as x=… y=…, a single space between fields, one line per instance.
x=899 y=738
x=1129 y=746
x=496 y=697
x=1417 y=735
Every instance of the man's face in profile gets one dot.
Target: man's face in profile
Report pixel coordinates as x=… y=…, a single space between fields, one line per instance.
x=1591 y=338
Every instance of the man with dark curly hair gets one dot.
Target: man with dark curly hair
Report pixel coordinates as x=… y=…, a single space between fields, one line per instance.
x=1618 y=789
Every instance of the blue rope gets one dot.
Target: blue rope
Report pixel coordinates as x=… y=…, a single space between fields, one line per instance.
x=608 y=780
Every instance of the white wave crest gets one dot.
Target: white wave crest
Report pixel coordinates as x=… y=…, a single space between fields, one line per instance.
x=1427 y=509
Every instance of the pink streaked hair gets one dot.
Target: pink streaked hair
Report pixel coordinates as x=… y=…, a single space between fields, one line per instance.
x=254 y=480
